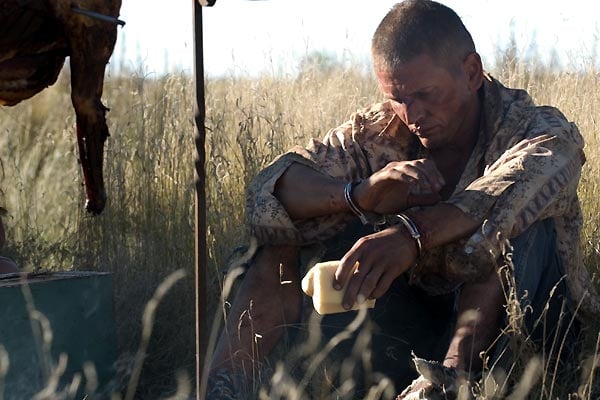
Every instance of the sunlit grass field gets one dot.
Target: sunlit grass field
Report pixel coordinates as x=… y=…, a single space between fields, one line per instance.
x=147 y=229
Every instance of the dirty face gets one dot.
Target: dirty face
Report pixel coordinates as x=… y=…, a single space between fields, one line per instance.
x=436 y=103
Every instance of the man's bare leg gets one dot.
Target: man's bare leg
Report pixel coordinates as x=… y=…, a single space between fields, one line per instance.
x=268 y=299
x=480 y=309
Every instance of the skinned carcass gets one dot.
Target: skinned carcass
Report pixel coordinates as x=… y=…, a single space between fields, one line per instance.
x=35 y=38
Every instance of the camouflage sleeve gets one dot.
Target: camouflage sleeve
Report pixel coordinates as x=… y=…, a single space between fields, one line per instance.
x=351 y=151
x=534 y=179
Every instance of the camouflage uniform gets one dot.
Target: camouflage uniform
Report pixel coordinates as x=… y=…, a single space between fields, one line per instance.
x=525 y=167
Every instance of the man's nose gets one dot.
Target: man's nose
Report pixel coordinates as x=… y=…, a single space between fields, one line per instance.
x=414 y=112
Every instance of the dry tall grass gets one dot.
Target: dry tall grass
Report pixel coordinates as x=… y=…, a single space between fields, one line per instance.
x=146 y=231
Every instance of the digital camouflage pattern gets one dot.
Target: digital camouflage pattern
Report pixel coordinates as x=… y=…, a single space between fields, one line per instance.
x=525 y=167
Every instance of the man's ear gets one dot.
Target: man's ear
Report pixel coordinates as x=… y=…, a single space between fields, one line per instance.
x=474 y=69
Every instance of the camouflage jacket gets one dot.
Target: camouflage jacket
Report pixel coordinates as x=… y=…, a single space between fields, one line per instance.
x=525 y=167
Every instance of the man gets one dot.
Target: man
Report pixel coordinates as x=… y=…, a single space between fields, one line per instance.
x=467 y=169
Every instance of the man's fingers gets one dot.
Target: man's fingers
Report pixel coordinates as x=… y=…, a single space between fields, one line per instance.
x=356 y=269
x=430 y=170
x=343 y=271
x=422 y=173
x=383 y=285
x=361 y=285
x=434 y=174
x=353 y=286
x=428 y=173
x=378 y=261
x=368 y=285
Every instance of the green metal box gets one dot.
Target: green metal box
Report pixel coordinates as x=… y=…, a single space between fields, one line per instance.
x=57 y=332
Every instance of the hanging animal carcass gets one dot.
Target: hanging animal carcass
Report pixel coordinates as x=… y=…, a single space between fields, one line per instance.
x=35 y=38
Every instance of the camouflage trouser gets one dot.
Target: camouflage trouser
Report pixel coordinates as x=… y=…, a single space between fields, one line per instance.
x=541 y=288
x=406 y=319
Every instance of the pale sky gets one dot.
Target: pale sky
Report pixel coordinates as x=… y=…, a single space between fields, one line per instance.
x=247 y=37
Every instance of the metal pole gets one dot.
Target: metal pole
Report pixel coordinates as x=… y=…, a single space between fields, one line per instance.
x=200 y=209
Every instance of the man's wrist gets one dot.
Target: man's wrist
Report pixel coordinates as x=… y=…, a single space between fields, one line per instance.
x=456 y=224
x=358 y=194
x=352 y=205
x=365 y=216
x=413 y=232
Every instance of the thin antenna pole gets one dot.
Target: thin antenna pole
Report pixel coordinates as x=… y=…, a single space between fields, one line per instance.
x=200 y=209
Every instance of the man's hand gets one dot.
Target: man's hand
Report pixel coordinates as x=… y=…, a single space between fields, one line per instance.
x=381 y=258
x=385 y=255
x=306 y=193
x=400 y=185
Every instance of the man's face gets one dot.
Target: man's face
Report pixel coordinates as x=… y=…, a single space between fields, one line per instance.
x=431 y=100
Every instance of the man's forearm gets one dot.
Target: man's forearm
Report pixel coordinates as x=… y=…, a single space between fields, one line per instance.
x=306 y=193
x=441 y=224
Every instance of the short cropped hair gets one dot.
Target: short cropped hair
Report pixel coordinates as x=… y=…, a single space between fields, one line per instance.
x=416 y=27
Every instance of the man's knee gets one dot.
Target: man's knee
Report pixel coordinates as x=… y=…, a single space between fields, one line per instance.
x=535 y=257
x=541 y=288
x=274 y=265
x=271 y=285
x=7 y=266
x=538 y=269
